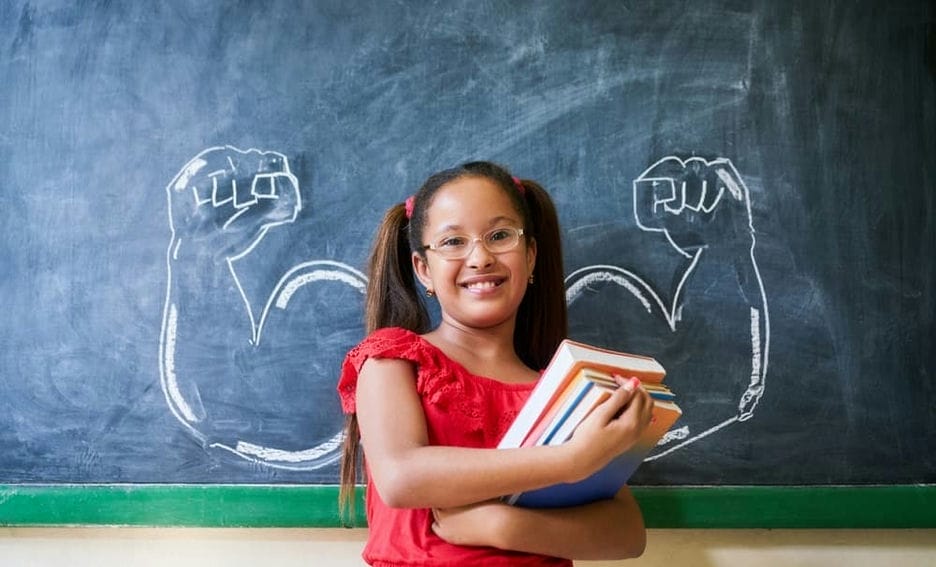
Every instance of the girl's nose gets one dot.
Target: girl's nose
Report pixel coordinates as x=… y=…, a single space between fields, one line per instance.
x=479 y=256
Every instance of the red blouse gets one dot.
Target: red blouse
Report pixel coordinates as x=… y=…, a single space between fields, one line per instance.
x=462 y=410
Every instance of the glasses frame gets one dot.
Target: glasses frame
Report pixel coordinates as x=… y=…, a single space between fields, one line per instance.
x=474 y=243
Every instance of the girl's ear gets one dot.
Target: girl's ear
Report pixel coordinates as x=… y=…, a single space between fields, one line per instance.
x=531 y=254
x=421 y=269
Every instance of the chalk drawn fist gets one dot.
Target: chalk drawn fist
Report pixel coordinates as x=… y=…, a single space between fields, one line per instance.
x=231 y=198
x=696 y=203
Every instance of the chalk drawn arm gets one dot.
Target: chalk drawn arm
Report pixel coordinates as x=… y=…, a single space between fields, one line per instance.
x=219 y=383
x=703 y=209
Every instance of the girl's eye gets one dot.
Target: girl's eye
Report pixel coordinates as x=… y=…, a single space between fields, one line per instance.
x=453 y=242
x=498 y=234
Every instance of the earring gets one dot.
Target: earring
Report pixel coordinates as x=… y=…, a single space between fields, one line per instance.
x=531 y=279
x=430 y=293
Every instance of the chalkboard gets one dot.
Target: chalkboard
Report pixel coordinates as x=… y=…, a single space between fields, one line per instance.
x=188 y=193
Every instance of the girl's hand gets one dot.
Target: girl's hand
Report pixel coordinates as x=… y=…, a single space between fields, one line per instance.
x=474 y=524
x=612 y=428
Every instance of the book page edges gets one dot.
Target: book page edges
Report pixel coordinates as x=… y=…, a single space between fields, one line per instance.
x=570 y=358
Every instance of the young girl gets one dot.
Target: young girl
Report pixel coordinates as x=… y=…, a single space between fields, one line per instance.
x=430 y=405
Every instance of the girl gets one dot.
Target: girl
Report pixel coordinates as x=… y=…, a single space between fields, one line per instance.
x=429 y=406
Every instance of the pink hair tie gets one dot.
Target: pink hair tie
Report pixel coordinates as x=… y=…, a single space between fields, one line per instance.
x=520 y=187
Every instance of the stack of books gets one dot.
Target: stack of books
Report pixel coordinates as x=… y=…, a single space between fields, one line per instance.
x=578 y=378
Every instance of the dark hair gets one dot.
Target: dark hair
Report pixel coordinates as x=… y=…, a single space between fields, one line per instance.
x=393 y=298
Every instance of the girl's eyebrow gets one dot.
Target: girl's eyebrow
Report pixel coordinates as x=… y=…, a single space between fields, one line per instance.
x=492 y=223
x=449 y=228
x=501 y=219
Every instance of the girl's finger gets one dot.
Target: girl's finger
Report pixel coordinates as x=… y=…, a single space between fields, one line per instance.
x=615 y=404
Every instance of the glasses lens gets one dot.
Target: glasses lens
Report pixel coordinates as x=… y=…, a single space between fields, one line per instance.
x=501 y=239
x=453 y=246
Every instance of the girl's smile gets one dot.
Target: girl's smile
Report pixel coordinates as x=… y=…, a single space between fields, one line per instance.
x=482 y=285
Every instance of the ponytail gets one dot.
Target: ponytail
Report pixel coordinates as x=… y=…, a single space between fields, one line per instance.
x=542 y=319
x=393 y=300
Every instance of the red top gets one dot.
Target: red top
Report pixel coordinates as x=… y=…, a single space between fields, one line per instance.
x=462 y=410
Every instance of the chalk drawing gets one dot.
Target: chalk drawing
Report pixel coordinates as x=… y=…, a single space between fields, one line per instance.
x=210 y=199
x=210 y=182
x=693 y=188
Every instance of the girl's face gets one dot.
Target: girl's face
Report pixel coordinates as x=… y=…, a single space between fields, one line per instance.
x=483 y=289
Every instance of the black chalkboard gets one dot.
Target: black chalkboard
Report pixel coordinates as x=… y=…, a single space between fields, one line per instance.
x=188 y=192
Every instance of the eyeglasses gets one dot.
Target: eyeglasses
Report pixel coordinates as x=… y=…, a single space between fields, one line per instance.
x=459 y=246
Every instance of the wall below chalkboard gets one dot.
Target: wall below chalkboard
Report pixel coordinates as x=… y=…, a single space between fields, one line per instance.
x=107 y=547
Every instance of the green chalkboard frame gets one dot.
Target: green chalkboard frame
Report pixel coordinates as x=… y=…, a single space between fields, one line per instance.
x=315 y=506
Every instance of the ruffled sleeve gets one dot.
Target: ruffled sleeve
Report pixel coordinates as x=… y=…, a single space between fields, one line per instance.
x=390 y=342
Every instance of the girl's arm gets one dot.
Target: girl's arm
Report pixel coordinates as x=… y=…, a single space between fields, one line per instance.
x=607 y=529
x=409 y=473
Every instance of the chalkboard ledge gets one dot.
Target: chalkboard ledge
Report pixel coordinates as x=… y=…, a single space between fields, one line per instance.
x=315 y=506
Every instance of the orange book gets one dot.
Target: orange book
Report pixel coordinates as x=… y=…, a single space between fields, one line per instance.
x=567 y=396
